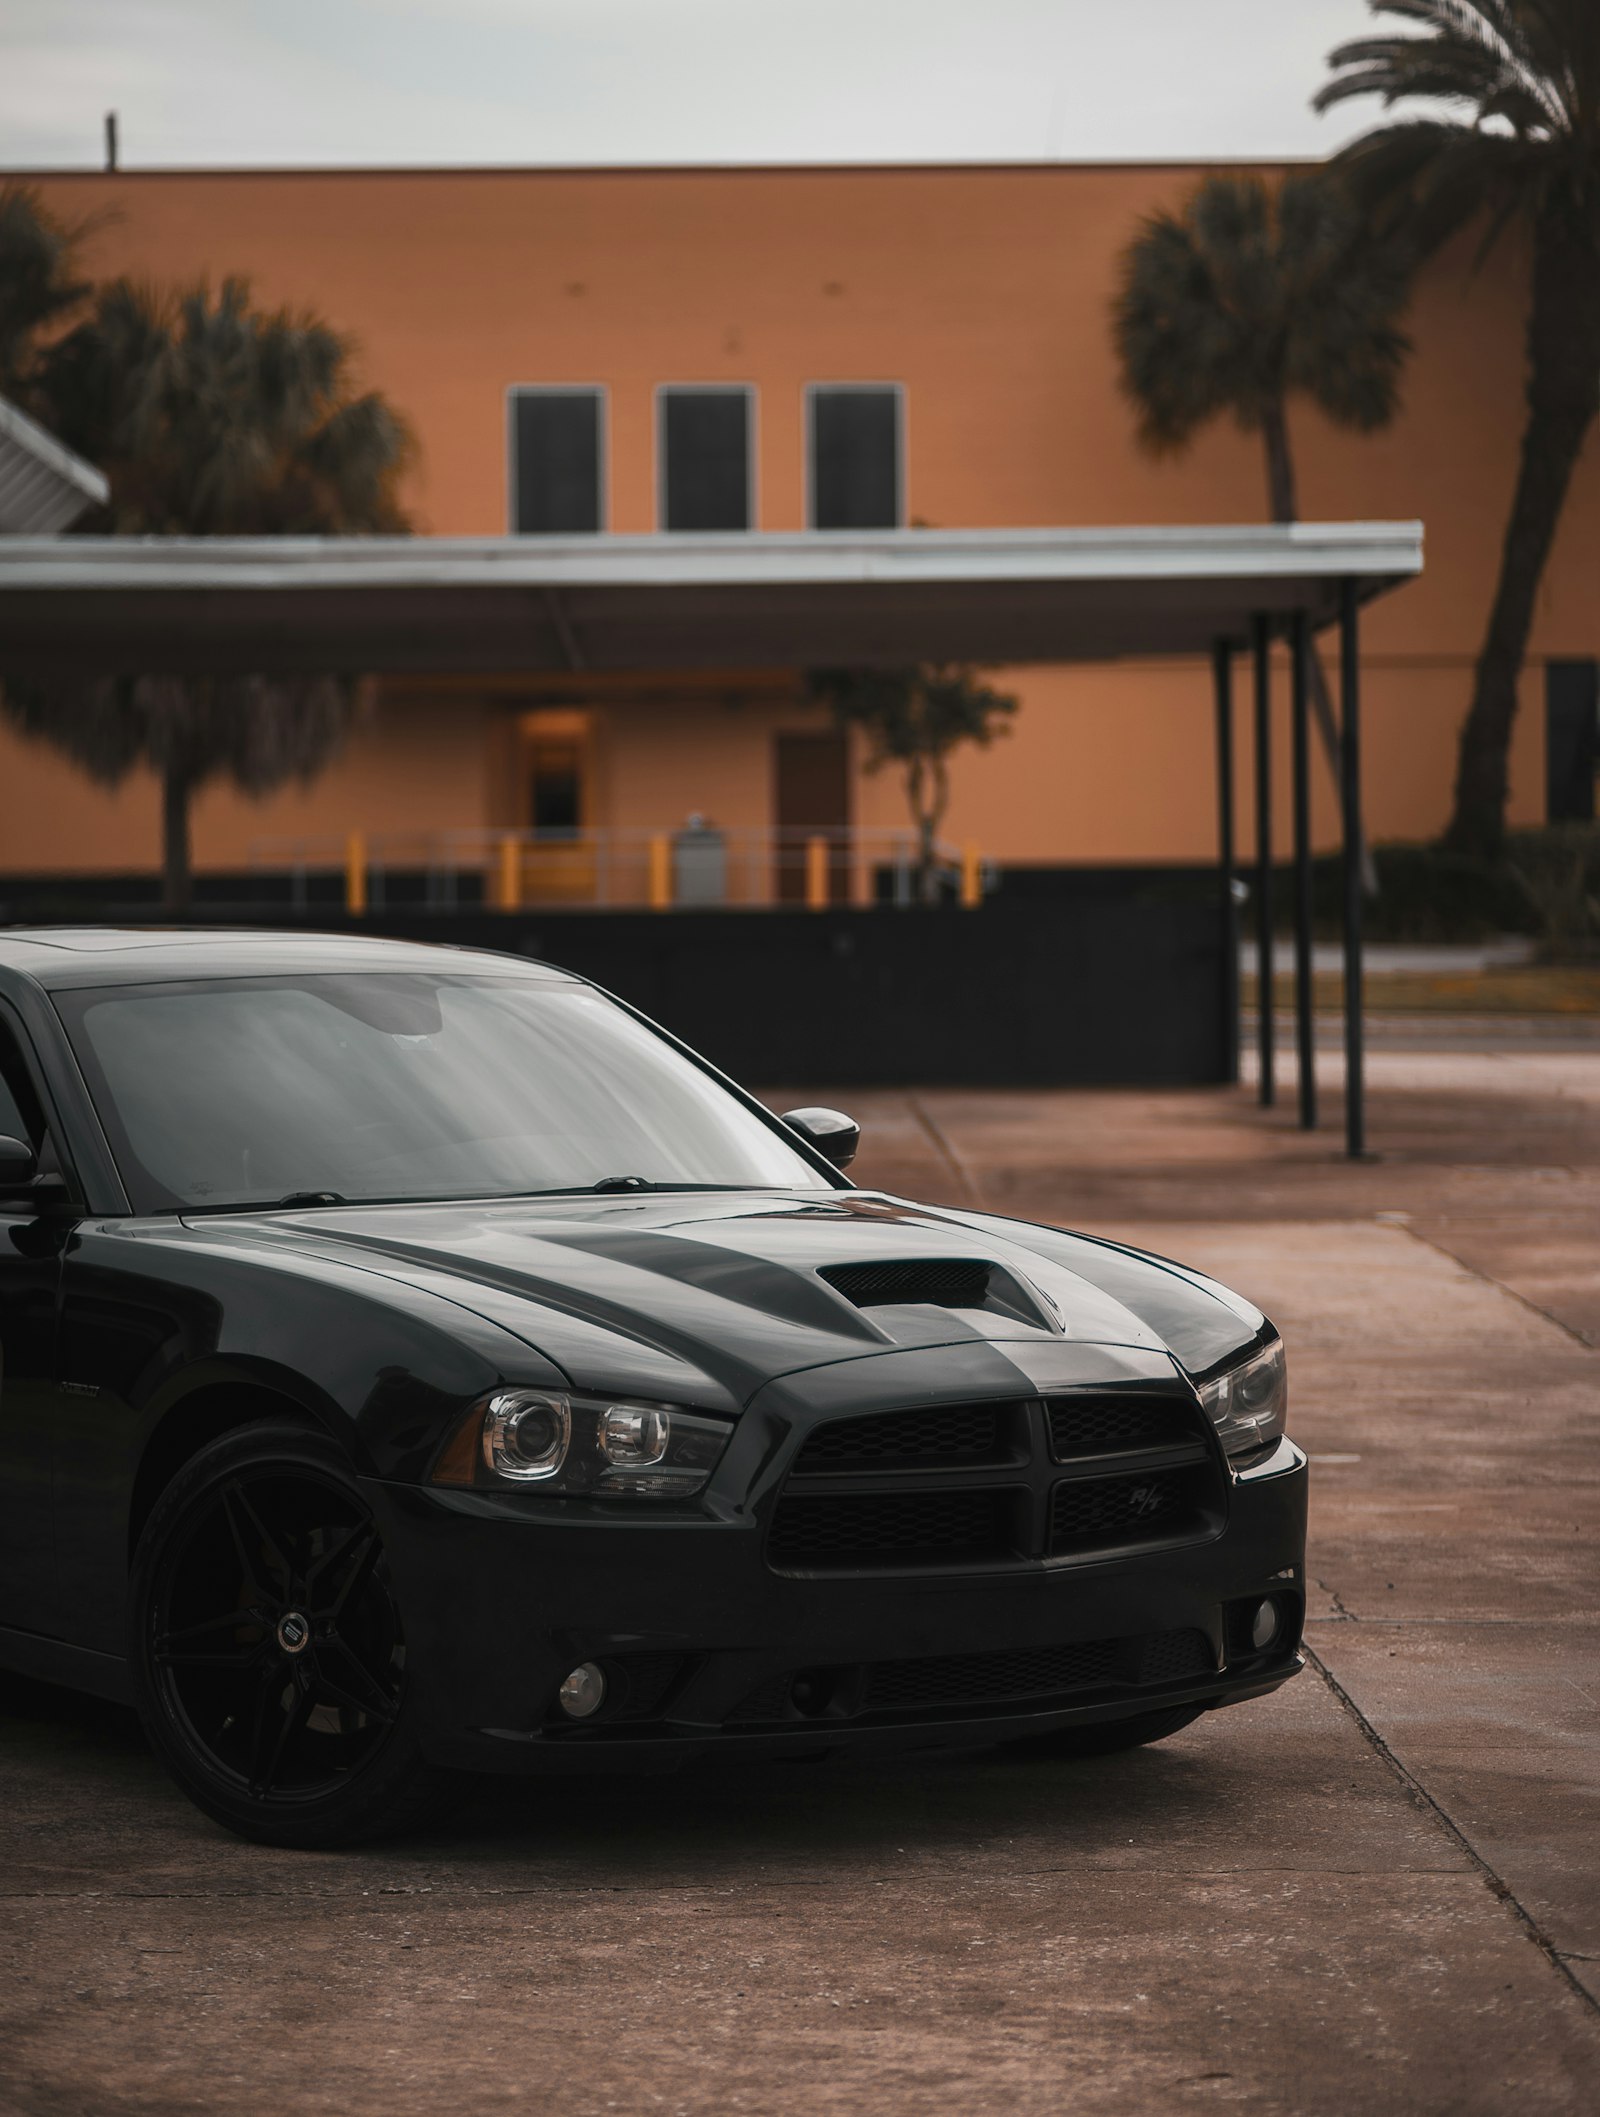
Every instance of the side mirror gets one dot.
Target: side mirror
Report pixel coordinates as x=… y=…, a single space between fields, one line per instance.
x=19 y=1165
x=835 y=1136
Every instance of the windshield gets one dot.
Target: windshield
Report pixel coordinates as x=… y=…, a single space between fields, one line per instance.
x=390 y=1085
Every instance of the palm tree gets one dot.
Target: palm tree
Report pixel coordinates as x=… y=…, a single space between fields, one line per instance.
x=1251 y=295
x=211 y=417
x=1509 y=130
x=39 y=287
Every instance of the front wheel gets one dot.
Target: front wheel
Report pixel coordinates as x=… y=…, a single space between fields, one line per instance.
x=1107 y=1738
x=268 y=1656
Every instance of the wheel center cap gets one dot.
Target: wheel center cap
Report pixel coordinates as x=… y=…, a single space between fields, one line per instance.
x=294 y=1632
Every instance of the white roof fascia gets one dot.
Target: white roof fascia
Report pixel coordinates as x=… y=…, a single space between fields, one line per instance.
x=44 y=487
x=1373 y=551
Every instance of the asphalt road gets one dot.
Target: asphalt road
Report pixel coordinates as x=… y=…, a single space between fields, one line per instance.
x=1379 y=1890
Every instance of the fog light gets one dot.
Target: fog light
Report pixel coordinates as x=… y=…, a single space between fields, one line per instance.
x=1264 y=1626
x=583 y=1691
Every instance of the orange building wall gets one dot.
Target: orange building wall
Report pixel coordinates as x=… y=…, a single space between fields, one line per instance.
x=985 y=292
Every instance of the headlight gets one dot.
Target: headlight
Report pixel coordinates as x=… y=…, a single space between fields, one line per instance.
x=1249 y=1404
x=526 y=1435
x=574 y=1444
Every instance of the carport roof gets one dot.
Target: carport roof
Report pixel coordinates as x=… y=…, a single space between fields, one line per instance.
x=480 y=604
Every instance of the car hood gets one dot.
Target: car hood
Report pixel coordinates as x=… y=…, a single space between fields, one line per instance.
x=707 y=1296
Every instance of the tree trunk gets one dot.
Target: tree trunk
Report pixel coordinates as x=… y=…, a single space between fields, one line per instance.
x=927 y=796
x=176 y=788
x=1280 y=464
x=1563 y=398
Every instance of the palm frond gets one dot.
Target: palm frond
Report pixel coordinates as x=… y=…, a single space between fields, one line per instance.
x=1511 y=95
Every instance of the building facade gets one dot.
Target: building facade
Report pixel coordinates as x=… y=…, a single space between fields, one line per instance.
x=740 y=349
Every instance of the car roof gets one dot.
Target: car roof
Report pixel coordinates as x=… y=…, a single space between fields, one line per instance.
x=63 y=956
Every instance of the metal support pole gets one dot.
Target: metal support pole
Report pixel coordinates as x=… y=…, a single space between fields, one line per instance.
x=1227 y=858
x=1305 y=999
x=1355 y=1084
x=1261 y=631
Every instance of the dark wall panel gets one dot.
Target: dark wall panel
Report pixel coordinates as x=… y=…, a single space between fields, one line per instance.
x=1002 y=997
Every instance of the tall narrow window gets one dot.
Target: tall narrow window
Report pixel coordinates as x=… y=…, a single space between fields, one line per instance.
x=1572 y=740
x=557 y=452
x=855 y=445
x=705 y=458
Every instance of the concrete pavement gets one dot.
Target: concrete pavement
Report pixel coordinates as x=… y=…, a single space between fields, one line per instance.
x=1378 y=1891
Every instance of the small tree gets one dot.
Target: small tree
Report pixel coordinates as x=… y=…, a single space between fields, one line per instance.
x=914 y=718
x=211 y=417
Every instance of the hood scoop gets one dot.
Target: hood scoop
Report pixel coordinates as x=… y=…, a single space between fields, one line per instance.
x=940 y=1282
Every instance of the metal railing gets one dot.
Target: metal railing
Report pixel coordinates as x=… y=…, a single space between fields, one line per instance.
x=696 y=866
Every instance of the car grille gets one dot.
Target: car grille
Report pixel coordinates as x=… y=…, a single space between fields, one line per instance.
x=862 y=1530
x=965 y=1682
x=1003 y=1484
x=1113 y=1425
x=1117 y=1510
x=953 y=1434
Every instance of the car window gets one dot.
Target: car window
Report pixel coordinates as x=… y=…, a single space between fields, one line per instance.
x=20 y=1114
x=12 y=1122
x=398 y=1085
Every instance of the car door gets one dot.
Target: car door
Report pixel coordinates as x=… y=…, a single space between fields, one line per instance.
x=32 y=1246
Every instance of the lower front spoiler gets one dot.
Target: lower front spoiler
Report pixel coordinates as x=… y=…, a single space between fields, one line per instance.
x=670 y=1746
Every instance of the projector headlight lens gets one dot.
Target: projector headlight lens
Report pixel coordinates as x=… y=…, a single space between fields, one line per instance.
x=1249 y=1404
x=526 y=1435
x=573 y=1445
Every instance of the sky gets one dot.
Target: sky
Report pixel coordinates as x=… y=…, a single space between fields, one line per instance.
x=319 y=82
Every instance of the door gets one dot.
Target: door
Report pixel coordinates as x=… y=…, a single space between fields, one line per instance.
x=811 y=799
x=554 y=804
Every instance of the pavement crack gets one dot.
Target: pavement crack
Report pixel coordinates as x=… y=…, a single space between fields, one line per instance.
x=1431 y=1242
x=1497 y=1884
x=943 y=1147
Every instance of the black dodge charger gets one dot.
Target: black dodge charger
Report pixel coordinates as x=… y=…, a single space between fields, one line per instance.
x=416 y=1364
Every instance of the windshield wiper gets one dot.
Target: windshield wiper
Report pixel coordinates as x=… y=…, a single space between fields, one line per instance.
x=305 y=1198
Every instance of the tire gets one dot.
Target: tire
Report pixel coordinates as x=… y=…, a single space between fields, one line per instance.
x=267 y=1652
x=1106 y=1738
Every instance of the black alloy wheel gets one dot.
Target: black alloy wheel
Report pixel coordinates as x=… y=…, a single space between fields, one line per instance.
x=1106 y=1738
x=269 y=1656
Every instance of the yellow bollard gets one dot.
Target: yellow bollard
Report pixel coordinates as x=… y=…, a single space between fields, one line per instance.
x=355 y=874
x=510 y=872
x=816 y=874
x=971 y=876
x=660 y=874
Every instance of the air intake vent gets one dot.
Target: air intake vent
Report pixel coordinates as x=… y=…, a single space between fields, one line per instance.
x=956 y=1282
x=939 y=1282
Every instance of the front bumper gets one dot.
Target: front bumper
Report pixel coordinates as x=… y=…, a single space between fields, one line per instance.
x=500 y=1602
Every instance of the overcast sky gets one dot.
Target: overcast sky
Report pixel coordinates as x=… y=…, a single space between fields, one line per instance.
x=462 y=81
